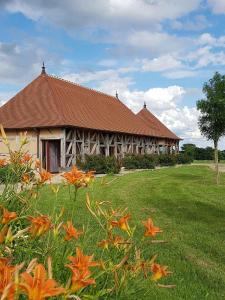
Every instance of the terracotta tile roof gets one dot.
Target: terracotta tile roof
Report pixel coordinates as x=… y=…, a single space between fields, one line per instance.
x=155 y=124
x=51 y=102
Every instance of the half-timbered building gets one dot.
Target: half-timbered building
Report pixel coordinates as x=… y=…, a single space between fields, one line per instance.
x=64 y=120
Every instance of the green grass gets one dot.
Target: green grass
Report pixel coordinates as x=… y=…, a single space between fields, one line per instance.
x=188 y=206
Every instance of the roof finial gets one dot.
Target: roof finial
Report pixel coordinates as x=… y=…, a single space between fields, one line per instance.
x=43 y=69
x=117 y=96
x=145 y=105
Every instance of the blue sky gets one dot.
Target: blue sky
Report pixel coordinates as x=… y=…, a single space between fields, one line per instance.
x=157 y=51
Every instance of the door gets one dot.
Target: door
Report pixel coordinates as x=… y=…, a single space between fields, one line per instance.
x=51 y=155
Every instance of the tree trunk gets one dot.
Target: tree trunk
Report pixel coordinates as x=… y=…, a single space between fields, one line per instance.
x=216 y=161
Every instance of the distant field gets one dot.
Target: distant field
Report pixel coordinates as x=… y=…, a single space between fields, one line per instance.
x=188 y=206
x=207 y=162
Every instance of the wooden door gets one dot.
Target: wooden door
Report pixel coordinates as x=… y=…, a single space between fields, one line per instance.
x=51 y=155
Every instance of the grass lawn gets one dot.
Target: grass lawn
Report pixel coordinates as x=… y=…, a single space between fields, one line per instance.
x=190 y=209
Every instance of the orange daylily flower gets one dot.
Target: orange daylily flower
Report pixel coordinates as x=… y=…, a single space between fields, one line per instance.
x=38 y=287
x=26 y=178
x=71 y=231
x=81 y=261
x=74 y=176
x=150 y=229
x=80 y=279
x=44 y=176
x=159 y=271
x=7 y=216
x=7 y=274
x=39 y=225
x=26 y=158
x=78 y=178
x=3 y=162
x=122 y=223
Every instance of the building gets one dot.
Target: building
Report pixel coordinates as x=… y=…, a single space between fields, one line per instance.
x=64 y=120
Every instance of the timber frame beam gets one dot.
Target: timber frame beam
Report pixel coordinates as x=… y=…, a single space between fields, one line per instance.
x=79 y=142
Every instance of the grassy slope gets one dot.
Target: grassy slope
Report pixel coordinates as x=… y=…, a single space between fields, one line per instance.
x=191 y=211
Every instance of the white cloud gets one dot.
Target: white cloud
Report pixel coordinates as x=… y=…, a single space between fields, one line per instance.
x=218 y=6
x=208 y=39
x=205 y=56
x=161 y=63
x=156 y=43
x=108 y=81
x=104 y=13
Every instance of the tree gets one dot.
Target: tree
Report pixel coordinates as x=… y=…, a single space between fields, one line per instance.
x=212 y=113
x=189 y=149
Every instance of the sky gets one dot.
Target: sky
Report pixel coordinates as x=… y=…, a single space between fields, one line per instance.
x=155 y=51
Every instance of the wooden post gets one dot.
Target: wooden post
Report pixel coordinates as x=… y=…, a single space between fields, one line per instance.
x=63 y=148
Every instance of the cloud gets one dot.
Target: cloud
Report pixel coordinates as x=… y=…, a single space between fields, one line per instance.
x=102 y=13
x=206 y=56
x=19 y=63
x=208 y=39
x=154 y=42
x=218 y=6
x=161 y=63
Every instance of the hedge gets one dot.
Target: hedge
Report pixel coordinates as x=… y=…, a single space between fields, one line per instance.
x=145 y=161
x=100 y=164
x=167 y=160
x=150 y=161
x=105 y=165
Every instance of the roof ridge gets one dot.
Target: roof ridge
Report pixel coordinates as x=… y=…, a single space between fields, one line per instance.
x=82 y=86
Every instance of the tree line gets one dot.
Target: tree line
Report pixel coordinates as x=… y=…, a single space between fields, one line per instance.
x=198 y=153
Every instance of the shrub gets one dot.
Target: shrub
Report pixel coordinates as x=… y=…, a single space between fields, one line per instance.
x=146 y=161
x=100 y=164
x=167 y=160
x=183 y=158
x=130 y=162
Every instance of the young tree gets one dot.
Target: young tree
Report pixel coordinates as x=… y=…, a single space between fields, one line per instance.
x=212 y=113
